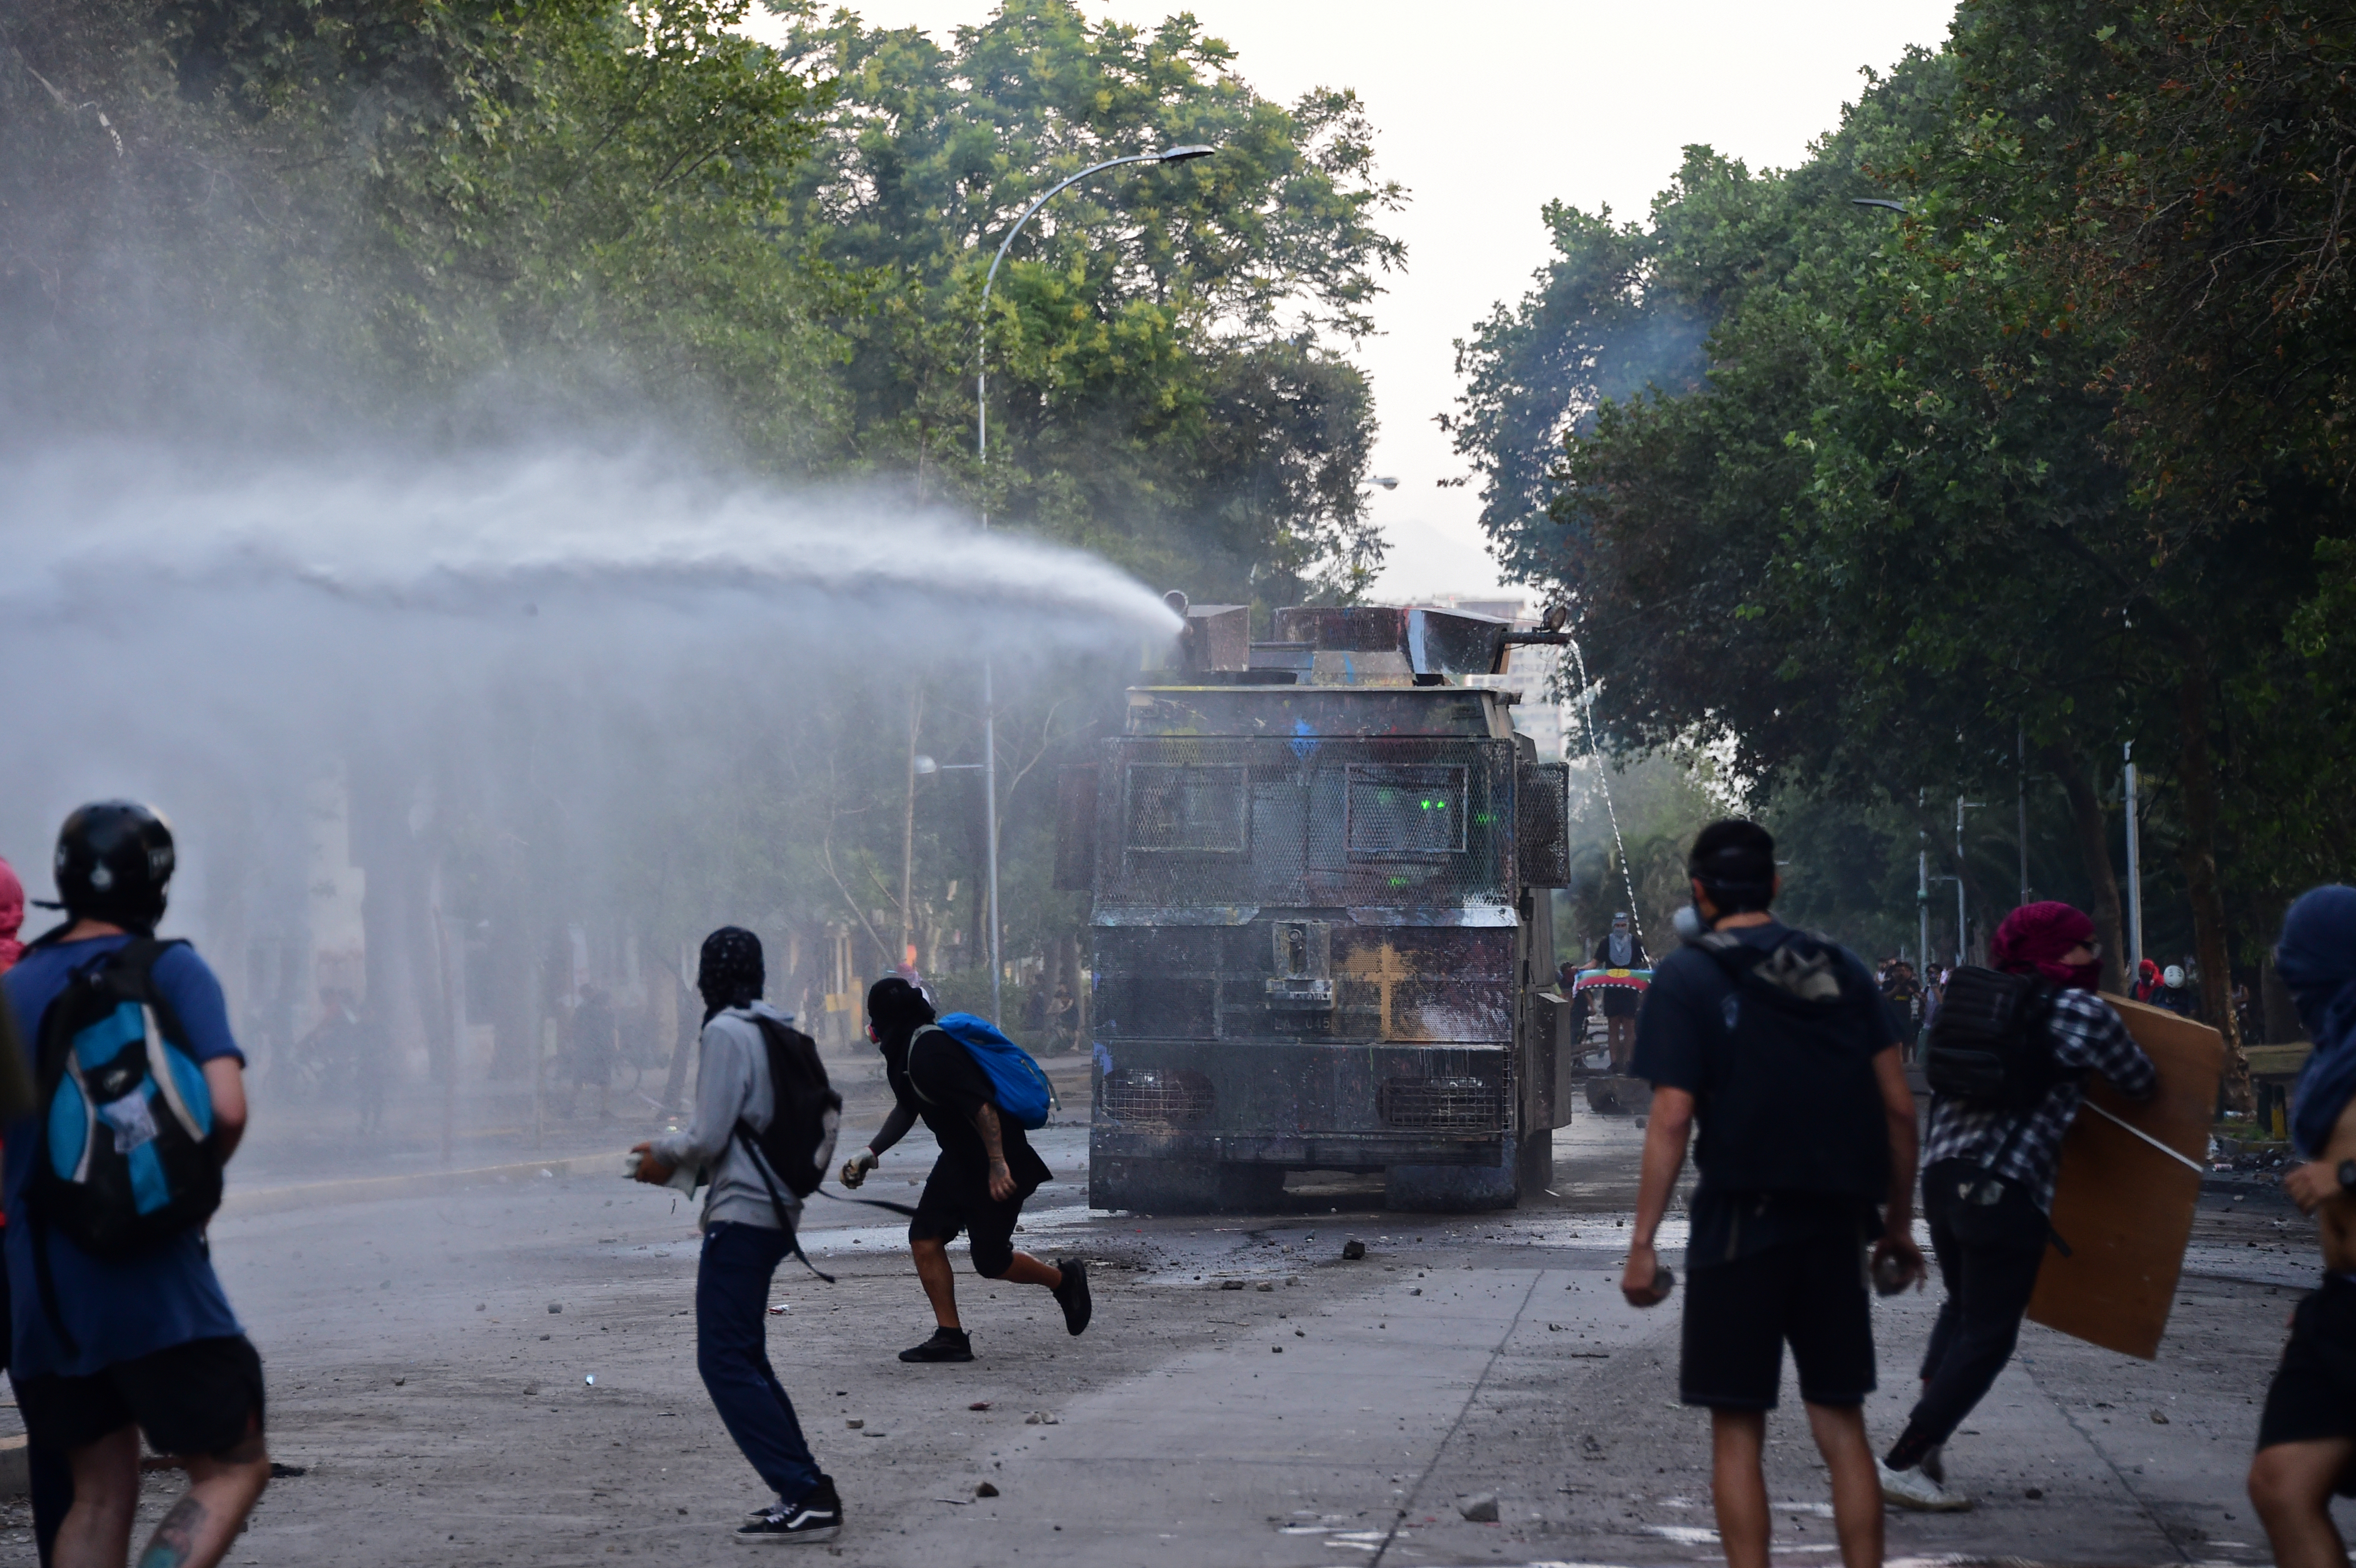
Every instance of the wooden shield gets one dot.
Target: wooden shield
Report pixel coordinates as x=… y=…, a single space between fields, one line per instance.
x=2123 y=1207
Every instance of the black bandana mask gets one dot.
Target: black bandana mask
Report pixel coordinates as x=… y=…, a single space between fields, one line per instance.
x=730 y=974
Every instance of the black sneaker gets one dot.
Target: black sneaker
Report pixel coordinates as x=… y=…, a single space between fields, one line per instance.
x=817 y=1516
x=946 y=1344
x=1071 y=1294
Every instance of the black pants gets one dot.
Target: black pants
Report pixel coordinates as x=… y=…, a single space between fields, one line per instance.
x=1988 y=1256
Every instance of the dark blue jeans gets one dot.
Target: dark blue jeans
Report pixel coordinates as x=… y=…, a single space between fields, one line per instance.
x=732 y=1352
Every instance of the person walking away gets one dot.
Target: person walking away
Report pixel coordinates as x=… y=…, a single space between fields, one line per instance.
x=1773 y=1043
x=2306 y=1434
x=986 y=1170
x=1988 y=1185
x=1620 y=947
x=743 y=1240
x=109 y=1342
x=595 y=1044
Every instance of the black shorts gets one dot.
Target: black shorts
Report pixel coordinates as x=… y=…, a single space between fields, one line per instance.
x=1810 y=1292
x=957 y=1200
x=203 y=1397
x=2314 y=1391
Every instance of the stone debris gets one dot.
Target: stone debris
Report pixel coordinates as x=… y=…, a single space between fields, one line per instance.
x=1277 y=1349
x=1231 y=1284
x=985 y=1491
x=854 y=1421
x=556 y=1306
x=2159 y=1418
x=1353 y=1249
x=1481 y=1508
x=979 y=1404
x=1265 y=1286
x=1041 y=1418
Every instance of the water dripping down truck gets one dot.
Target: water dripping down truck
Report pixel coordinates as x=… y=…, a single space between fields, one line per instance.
x=1322 y=937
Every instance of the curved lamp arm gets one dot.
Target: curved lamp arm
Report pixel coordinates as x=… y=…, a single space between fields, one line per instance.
x=981 y=331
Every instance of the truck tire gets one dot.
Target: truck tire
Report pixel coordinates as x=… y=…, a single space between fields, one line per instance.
x=1456 y=1189
x=1177 y=1187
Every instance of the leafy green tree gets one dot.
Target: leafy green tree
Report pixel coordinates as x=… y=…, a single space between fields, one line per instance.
x=1167 y=378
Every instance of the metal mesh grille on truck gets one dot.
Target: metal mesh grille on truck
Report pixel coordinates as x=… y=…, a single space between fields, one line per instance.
x=1167 y=1097
x=1418 y=823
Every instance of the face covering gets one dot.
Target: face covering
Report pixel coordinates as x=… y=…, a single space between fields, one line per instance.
x=730 y=974
x=2034 y=938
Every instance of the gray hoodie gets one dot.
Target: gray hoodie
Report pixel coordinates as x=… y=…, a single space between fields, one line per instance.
x=732 y=1080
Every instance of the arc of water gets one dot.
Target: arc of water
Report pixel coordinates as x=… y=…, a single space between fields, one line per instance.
x=1595 y=752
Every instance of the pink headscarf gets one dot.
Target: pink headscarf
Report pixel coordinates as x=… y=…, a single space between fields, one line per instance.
x=11 y=916
x=2033 y=938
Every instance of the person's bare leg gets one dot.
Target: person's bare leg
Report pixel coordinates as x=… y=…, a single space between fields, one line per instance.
x=96 y=1532
x=940 y=1282
x=2291 y=1485
x=1738 y=1484
x=1856 y=1485
x=222 y=1489
x=1026 y=1269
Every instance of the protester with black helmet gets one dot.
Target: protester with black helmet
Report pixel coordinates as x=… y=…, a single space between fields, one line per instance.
x=116 y=1337
x=1774 y=1043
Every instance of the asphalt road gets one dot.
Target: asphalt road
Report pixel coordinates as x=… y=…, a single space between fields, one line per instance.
x=1324 y=1413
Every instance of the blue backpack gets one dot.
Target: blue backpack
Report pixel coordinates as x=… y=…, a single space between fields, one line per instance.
x=126 y=1161
x=1018 y=1085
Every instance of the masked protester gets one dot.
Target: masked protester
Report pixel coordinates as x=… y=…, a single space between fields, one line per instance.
x=2306 y=1435
x=1987 y=1185
x=1773 y=1043
x=743 y=1240
x=986 y=1169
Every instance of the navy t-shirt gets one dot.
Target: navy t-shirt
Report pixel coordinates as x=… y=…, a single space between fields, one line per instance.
x=121 y=1308
x=1693 y=1009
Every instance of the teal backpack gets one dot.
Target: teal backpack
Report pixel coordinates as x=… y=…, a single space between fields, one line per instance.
x=126 y=1161
x=1017 y=1083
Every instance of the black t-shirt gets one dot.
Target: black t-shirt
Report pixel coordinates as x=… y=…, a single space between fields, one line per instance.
x=1690 y=1011
x=934 y=1076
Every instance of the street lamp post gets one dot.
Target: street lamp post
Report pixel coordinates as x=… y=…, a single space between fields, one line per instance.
x=981 y=451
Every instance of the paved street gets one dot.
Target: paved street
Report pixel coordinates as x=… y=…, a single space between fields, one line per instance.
x=1325 y=1413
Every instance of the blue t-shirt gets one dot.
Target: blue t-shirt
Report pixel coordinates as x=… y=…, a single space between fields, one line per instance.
x=127 y=1307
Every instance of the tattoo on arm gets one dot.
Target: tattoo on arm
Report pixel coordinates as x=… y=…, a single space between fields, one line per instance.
x=985 y=1122
x=175 y=1539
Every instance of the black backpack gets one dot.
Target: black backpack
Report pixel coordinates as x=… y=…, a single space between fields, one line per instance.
x=1989 y=1044
x=125 y=1160
x=804 y=1115
x=1790 y=1102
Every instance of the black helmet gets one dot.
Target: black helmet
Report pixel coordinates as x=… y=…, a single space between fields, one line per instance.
x=114 y=859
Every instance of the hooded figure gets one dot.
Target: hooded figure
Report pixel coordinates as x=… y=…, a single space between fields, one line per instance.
x=2034 y=938
x=12 y=916
x=2317 y=960
x=1620 y=947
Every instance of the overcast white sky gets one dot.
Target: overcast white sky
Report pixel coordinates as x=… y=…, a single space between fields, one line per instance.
x=1488 y=108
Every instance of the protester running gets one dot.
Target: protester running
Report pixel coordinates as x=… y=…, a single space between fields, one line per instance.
x=1987 y=1179
x=2306 y=1434
x=748 y=1217
x=1775 y=1044
x=120 y=1324
x=986 y=1170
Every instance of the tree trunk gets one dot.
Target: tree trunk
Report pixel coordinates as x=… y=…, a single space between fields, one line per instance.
x=2093 y=829
x=2197 y=855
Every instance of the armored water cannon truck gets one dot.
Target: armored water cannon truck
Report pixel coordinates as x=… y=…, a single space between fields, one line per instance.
x=1322 y=936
